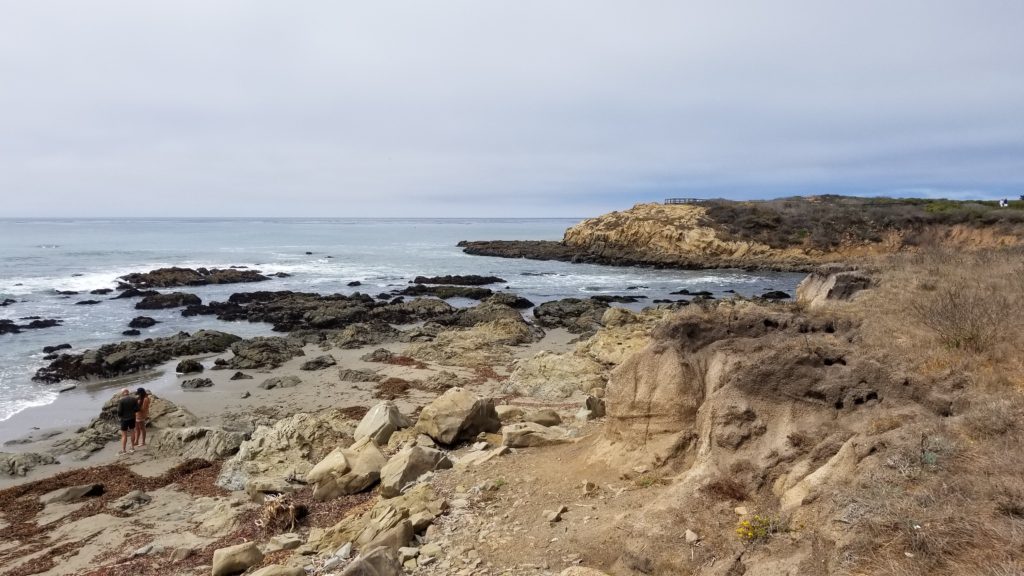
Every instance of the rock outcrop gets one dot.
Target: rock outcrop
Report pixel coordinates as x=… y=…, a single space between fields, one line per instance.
x=409 y=465
x=169 y=300
x=484 y=344
x=576 y=315
x=172 y=277
x=827 y=284
x=380 y=423
x=264 y=352
x=133 y=356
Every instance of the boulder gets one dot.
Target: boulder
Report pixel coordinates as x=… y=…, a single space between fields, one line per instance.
x=531 y=434
x=20 y=463
x=381 y=422
x=57 y=348
x=197 y=383
x=553 y=376
x=407 y=466
x=71 y=493
x=544 y=417
x=142 y=322
x=509 y=299
x=280 y=382
x=575 y=315
x=829 y=283
x=378 y=561
x=365 y=334
x=197 y=442
x=264 y=352
x=456 y=415
x=132 y=332
x=508 y=413
x=469 y=280
x=347 y=470
x=318 y=363
x=240 y=376
x=350 y=375
x=236 y=559
x=279 y=570
x=189 y=367
x=170 y=300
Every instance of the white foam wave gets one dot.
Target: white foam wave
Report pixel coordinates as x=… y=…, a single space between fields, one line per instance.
x=9 y=408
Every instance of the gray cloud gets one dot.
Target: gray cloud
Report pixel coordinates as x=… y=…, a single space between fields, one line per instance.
x=499 y=108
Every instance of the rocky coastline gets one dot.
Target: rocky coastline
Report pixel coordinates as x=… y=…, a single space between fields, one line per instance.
x=399 y=434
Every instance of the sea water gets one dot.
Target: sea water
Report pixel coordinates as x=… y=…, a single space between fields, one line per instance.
x=40 y=257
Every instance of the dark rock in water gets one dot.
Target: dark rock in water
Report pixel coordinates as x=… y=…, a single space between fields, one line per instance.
x=575 y=315
x=51 y=356
x=9 y=327
x=309 y=253
x=355 y=283
x=197 y=383
x=470 y=280
x=397 y=300
x=142 y=322
x=133 y=356
x=41 y=323
x=378 y=355
x=86 y=302
x=510 y=300
x=7 y=302
x=607 y=299
x=383 y=296
x=318 y=363
x=636 y=288
x=189 y=366
x=135 y=293
x=264 y=352
x=730 y=291
x=220 y=362
x=281 y=275
x=172 y=277
x=238 y=267
x=674 y=302
x=101 y=291
x=445 y=292
x=66 y=292
x=280 y=382
x=775 y=295
x=240 y=376
x=57 y=348
x=132 y=332
x=685 y=292
x=328 y=256
x=171 y=300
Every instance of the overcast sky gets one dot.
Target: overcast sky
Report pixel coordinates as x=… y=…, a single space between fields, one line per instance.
x=500 y=108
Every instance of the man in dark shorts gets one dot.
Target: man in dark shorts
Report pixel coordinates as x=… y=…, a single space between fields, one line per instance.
x=127 y=406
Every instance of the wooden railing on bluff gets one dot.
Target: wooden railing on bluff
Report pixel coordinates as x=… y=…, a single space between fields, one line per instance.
x=684 y=200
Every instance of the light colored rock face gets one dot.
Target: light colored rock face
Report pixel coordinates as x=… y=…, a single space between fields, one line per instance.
x=484 y=344
x=508 y=413
x=381 y=422
x=71 y=493
x=290 y=447
x=456 y=415
x=347 y=470
x=624 y=334
x=408 y=465
x=675 y=234
x=652 y=400
x=818 y=288
x=235 y=559
x=197 y=442
x=554 y=376
x=379 y=561
x=280 y=382
x=530 y=434
x=581 y=571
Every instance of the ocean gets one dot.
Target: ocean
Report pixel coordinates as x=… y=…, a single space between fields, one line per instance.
x=39 y=257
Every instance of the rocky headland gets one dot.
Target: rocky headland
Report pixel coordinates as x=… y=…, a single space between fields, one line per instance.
x=794 y=234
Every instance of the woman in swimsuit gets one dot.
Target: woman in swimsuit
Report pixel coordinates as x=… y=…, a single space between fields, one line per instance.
x=142 y=415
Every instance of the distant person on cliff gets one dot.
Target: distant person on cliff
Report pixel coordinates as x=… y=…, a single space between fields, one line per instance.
x=127 y=408
x=141 y=416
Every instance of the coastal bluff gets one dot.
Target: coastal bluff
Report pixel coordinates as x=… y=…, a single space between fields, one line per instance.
x=790 y=234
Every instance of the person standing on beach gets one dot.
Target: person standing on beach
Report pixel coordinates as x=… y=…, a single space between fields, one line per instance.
x=141 y=416
x=127 y=407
